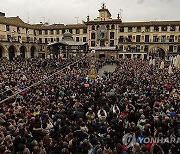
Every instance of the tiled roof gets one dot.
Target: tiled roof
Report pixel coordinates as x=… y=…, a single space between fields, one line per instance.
x=16 y=21
x=151 y=23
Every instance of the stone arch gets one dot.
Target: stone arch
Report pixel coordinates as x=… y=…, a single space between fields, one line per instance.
x=33 y=50
x=11 y=52
x=23 y=51
x=157 y=52
x=2 y=51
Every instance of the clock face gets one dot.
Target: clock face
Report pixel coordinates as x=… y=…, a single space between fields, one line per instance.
x=102 y=14
x=102 y=33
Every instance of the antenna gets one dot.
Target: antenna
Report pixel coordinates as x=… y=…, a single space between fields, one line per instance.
x=44 y=19
x=27 y=17
x=77 y=19
x=120 y=13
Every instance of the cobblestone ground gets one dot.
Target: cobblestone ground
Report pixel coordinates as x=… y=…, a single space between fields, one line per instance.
x=108 y=68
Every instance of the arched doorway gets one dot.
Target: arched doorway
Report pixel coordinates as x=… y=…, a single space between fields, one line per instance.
x=11 y=52
x=1 y=52
x=102 y=56
x=33 y=50
x=23 y=52
x=157 y=52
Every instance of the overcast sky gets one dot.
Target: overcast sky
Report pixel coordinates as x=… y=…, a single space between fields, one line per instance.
x=66 y=11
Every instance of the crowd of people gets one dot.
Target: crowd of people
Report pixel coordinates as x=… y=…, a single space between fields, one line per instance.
x=21 y=73
x=70 y=113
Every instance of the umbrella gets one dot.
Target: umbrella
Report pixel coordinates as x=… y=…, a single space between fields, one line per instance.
x=162 y=65
x=170 y=70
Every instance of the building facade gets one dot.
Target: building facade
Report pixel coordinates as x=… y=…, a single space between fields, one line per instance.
x=108 y=37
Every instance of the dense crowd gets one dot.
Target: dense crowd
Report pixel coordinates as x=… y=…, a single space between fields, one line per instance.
x=21 y=73
x=71 y=113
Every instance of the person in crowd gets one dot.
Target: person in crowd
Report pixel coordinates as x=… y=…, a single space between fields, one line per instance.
x=62 y=115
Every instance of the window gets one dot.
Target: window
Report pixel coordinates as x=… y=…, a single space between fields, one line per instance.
x=179 y=38
x=129 y=29
x=27 y=30
x=9 y=38
x=7 y=28
x=85 y=30
x=121 y=29
x=155 y=39
x=63 y=31
x=111 y=43
x=172 y=28
x=171 y=48
x=18 y=29
x=102 y=43
x=138 y=37
x=107 y=26
x=171 y=39
x=147 y=29
x=52 y=40
x=35 y=40
x=121 y=38
x=40 y=32
x=163 y=38
x=93 y=27
x=77 y=39
x=77 y=31
x=84 y=39
x=19 y=39
x=35 y=32
x=93 y=36
x=178 y=49
x=52 y=32
x=28 y=39
x=46 y=32
x=57 y=32
x=70 y=30
x=93 y=43
x=57 y=39
x=129 y=39
x=146 y=48
x=138 y=29
x=121 y=48
x=164 y=28
x=156 y=28
x=97 y=26
x=146 y=38
x=46 y=40
x=112 y=26
x=40 y=40
x=138 y=48
x=111 y=35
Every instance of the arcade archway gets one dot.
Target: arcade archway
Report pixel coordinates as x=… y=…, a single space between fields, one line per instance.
x=1 y=52
x=157 y=52
x=11 y=52
x=23 y=52
x=33 y=50
x=102 y=56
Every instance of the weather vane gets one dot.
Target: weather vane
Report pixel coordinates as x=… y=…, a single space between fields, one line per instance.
x=120 y=13
x=103 y=5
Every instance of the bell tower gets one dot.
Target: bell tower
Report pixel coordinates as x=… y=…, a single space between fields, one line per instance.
x=104 y=13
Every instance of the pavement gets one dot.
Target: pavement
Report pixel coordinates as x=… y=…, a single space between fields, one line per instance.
x=108 y=68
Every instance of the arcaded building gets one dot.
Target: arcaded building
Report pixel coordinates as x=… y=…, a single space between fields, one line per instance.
x=108 y=37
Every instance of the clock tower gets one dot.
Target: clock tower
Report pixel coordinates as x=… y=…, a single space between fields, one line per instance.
x=104 y=13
